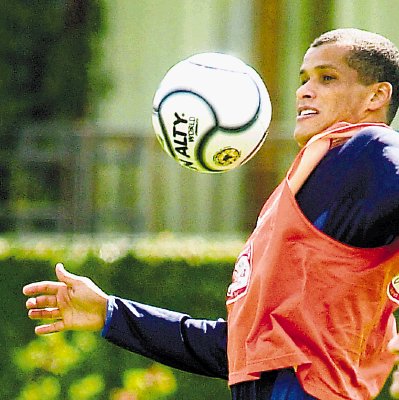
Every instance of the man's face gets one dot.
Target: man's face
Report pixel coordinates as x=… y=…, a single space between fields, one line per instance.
x=330 y=92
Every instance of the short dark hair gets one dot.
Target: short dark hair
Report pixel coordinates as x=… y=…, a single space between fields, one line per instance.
x=374 y=57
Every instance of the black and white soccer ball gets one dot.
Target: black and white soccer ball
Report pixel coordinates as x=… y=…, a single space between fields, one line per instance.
x=211 y=112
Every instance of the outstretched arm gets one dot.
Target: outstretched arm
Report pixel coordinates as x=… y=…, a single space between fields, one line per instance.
x=174 y=339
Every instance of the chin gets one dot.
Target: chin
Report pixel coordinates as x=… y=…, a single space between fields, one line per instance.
x=302 y=137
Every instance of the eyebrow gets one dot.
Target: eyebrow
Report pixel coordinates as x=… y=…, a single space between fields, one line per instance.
x=320 y=67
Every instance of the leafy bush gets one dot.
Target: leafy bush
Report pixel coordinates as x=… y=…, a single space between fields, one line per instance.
x=183 y=274
x=49 y=58
x=50 y=63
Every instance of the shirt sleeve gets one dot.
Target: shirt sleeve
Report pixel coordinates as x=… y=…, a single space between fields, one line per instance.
x=171 y=338
x=353 y=194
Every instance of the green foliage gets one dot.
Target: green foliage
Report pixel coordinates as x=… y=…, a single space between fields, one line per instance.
x=55 y=367
x=44 y=388
x=50 y=61
x=51 y=81
x=183 y=274
x=53 y=353
x=152 y=383
x=87 y=388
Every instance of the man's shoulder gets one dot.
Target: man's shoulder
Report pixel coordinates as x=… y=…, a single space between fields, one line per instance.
x=377 y=134
x=371 y=140
x=373 y=150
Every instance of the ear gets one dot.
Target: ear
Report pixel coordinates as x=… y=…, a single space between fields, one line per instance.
x=381 y=94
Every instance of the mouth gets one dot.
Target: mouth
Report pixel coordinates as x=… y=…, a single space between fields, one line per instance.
x=306 y=112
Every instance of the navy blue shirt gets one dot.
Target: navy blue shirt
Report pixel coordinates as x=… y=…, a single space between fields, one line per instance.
x=352 y=196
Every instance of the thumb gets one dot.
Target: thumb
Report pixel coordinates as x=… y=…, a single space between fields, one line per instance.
x=64 y=276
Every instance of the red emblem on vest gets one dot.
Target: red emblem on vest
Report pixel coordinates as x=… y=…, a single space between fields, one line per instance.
x=393 y=290
x=241 y=276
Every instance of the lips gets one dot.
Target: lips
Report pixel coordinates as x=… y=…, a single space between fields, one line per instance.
x=306 y=112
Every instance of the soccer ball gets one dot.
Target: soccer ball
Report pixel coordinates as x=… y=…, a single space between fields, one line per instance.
x=211 y=112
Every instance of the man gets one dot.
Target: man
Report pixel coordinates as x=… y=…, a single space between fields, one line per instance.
x=308 y=314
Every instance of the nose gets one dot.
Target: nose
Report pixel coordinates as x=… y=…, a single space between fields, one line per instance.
x=306 y=91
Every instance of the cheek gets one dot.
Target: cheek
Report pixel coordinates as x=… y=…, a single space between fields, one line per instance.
x=352 y=101
x=343 y=106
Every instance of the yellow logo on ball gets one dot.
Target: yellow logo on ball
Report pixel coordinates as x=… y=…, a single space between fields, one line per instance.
x=226 y=156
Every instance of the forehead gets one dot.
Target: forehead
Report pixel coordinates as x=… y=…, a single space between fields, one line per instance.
x=327 y=55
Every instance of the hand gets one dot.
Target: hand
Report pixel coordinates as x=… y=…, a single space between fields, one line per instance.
x=73 y=303
x=394 y=348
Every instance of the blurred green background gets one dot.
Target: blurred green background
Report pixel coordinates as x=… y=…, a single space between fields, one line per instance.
x=78 y=157
x=178 y=273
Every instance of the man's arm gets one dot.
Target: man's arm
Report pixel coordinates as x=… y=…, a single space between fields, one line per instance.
x=174 y=339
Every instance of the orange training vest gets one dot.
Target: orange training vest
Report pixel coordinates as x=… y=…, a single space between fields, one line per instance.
x=301 y=299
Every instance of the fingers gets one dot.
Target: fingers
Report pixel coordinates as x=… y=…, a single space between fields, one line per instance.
x=57 y=326
x=43 y=307
x=41 y=302
x=47 y=313
x=45 y=287
x=50 y=287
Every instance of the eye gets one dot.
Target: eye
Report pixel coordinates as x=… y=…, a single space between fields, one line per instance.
x=327 y=78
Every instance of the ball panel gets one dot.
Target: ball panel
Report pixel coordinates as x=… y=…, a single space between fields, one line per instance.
x=222 y=88
x=184 y=117
x=161 y=133
x=238 y=145
x=228 y=89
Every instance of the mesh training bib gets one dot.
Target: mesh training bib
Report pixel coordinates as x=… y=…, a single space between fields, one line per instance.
x=300 y=298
